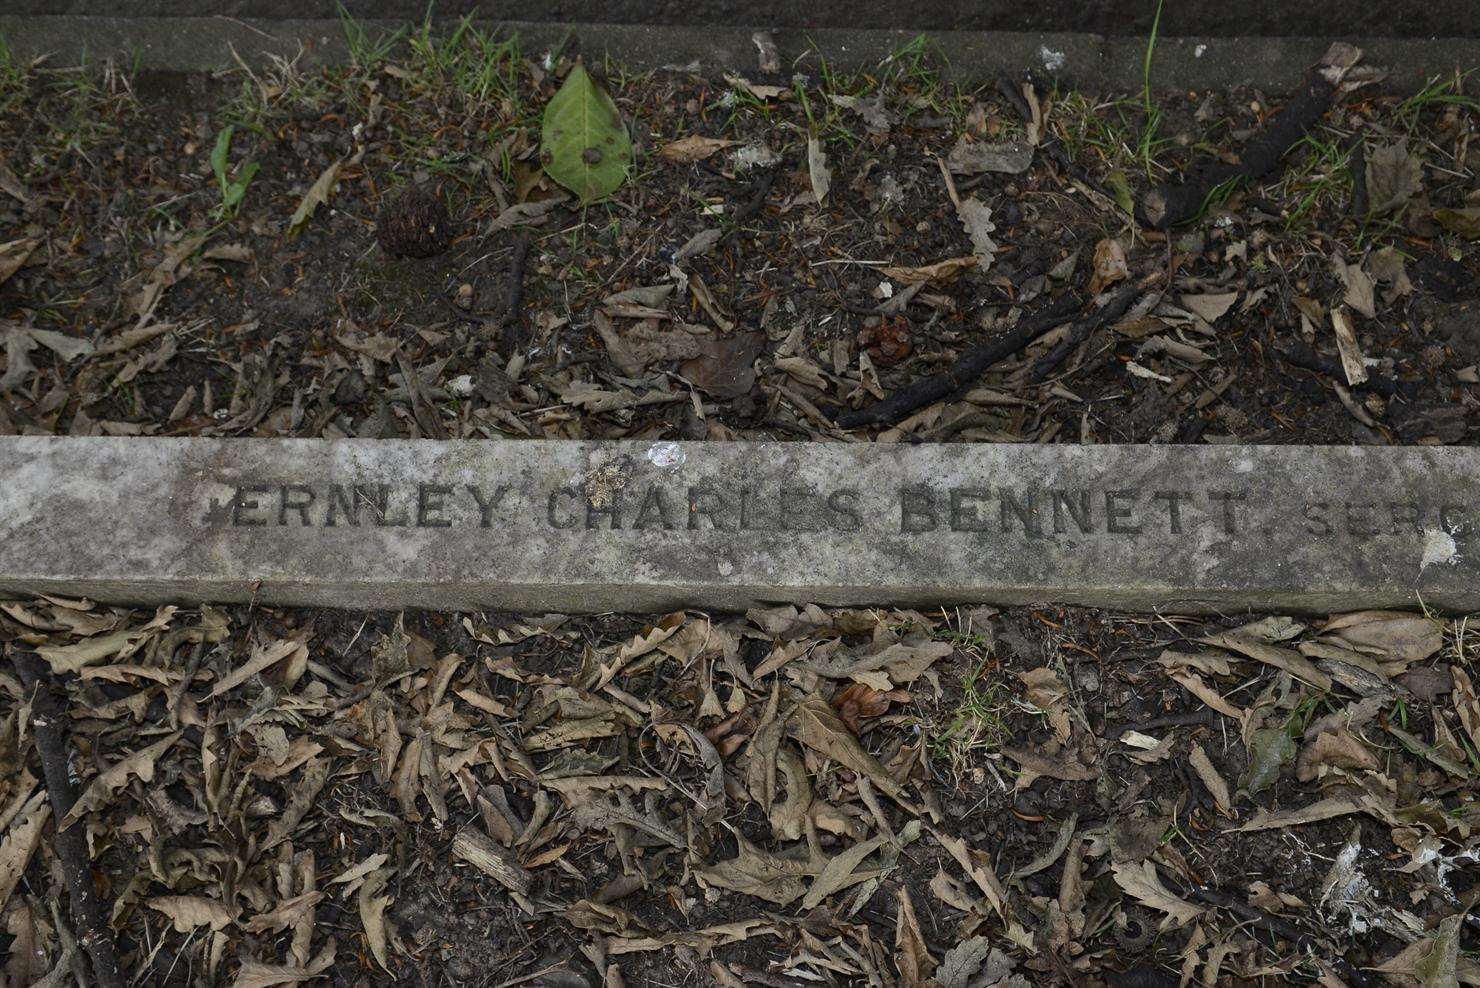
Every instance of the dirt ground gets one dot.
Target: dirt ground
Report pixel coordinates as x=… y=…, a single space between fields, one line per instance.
x=791 y=797
x=713 y=296
x=1186 y=18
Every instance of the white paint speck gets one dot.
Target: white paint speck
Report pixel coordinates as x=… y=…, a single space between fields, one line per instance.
x=666 y=455
x=1052 y=60
x=1438 y=548
x=1198 y=51
x=725 y=569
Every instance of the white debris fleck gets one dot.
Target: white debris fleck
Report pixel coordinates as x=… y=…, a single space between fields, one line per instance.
x=1138 y=740
x=754 y=156
x=666 y=455
x=1146 y=372
x=1052 y=60
x=1244 y=465
x=461 y=385
x=1198 y=51
x=1347 y=891
x=725 y=568
x=1438 y=548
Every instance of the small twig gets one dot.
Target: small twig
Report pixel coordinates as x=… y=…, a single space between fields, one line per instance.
x=177 y=693
x=471 y=318
x=48 y=725
x=1198 y=717
x=512 y=320
x=1357 y=163
x=968 y=367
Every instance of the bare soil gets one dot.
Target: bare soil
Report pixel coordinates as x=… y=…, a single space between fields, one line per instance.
x=202 y=321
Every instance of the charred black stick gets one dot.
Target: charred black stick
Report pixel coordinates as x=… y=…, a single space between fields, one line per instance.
x=967 y=368
x=1306 y=357
x=1113 y=308
x=1261 y=920
x=747 y=210
x=1357 y=162
x=48 y=726
x=1257 y=918
x=1007 y=88
x=1173 y=204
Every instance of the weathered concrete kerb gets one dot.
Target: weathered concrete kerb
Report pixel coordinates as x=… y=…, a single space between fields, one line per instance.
x=594 y=526
x=1086 y=61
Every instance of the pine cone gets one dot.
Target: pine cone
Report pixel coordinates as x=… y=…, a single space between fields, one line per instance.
x=414 y=223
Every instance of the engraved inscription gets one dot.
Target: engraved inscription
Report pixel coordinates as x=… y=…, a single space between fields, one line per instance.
x=1020 y=512
x=1034 y=513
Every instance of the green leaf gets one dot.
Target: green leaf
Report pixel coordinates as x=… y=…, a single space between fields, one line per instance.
x=1270 y=750
x=1122 y=189
x=219 y=154
x=585 y=146
x=237 y=190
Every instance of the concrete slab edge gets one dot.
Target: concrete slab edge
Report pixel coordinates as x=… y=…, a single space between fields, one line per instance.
x=1085 y=61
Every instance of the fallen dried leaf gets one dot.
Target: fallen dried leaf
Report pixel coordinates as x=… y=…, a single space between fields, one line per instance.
x=725 y=367
x=968 y=157
x=1065 y=766
x=189 y=911
x=1461 y=222
x=264 y=656
x=1339 y=748
x=1325 y=809
x=372 y=906
x=939 y=271
x=102 y=788
x=1352 y=362
x=687 y=150
x=911 y=955
x=1281 y=658
x=1209 y=308
x=1392 y=635
x=317 y=195
x=817 y=170
x=838 y=872
x=887 y=341
x=254 y=974
x=1394 y=176
x=1143 y=884
x=772 y=877
x=14 y=254
x=21 y=841
x=1198 y=759
x=976 y=218
x=1110 y=265
x=816 y=726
